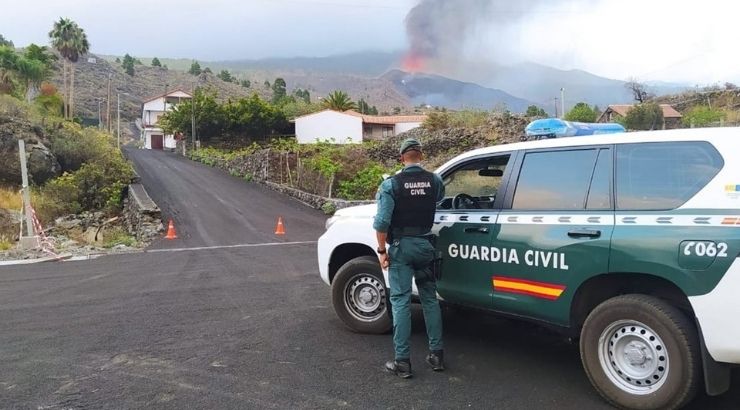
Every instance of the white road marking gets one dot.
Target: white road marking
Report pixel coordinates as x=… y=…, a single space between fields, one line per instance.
x=244 y=245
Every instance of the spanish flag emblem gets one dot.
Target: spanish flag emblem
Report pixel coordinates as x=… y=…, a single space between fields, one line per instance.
x=542 y=290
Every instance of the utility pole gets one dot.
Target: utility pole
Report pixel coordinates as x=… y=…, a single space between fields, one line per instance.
x=29 y=241
x=107 y=114
x=555 y=101
x=100 y=122
x=118 y=119
x=192 y=115
x=562 y=101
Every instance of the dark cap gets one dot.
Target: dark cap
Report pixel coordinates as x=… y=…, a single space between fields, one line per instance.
x=410 y=144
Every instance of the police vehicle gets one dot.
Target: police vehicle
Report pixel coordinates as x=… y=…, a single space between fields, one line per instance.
x=628 y=242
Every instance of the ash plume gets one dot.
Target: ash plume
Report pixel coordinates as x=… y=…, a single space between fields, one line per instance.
x=438 y=30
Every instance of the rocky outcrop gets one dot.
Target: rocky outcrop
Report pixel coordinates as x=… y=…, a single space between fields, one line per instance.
x=42 y=165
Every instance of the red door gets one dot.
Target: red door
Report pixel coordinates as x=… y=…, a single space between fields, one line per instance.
x=157 y=141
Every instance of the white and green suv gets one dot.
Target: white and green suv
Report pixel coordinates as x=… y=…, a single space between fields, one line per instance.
x=630 y=242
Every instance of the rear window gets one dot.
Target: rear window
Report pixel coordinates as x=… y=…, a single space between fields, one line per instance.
x=663 y=175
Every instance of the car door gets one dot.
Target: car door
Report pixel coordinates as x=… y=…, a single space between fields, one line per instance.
x=554 y=230
x=465 y=223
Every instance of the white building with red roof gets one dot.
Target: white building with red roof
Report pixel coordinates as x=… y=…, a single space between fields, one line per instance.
x=350 y=127
x=152 y=109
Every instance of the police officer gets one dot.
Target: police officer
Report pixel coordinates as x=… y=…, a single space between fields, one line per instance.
x=406 y=206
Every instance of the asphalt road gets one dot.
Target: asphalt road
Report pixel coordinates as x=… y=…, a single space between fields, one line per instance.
x=249 y=326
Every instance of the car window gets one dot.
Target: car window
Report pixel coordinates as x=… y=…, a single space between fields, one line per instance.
x=663 y=175
x=599 y=194
x=479 y=179
x=556 y=180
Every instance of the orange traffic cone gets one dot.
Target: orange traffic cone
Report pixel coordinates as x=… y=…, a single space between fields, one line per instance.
x=171 y=231
x=280 y=228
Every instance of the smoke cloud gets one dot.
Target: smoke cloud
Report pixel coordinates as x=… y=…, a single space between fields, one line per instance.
x=439 y=30
x=660 y=40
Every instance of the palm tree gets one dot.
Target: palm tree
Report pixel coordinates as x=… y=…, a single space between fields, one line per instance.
x=339 y=101
x=61 y=39
x=81 y=46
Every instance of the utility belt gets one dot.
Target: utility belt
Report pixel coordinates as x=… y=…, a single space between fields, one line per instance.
x=398 y=233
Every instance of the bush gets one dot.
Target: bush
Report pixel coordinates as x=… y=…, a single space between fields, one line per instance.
x=60 y=196
x=365 y=183
x=702 y=116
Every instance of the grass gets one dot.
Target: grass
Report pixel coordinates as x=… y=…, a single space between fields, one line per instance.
x=117 y=236
x=10 y=198
x=5 y=243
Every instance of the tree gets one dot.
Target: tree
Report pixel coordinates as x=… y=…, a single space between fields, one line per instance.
x=302 y=95
x=207 y=70
x=702 y=116
x=40 y=53
x=209 y=116
x=647 y=116
x=31 y=73
x=278 y=90
x=156 y=62
x=8 y=61
x=581 y=112
x=638 y=90
x=61 y=40
x=225 y=75
x=70 y=41
x=253 y=118
x=535 y=111
x=245 y=83
x=267 y=84
x=128 y=65
x=118 y=60
x=194 y=68
x=339 y=101
x=5 y=42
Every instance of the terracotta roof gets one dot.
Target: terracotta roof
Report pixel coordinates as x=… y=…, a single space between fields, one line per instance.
x=377 y=119
x=623 y=109
x=392 y=119
x=166 y=94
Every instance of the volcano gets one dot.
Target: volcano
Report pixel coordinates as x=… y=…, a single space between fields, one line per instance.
x=439 y=91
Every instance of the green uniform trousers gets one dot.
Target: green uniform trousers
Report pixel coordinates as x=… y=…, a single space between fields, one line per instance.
x=410 y=258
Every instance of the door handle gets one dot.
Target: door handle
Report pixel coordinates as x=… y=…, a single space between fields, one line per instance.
x=478 y=229
x=584 y=233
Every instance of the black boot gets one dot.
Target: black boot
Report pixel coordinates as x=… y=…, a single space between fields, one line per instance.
x=436 y=360
x=401 y=368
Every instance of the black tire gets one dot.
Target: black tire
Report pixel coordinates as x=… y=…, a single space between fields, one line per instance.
x=653 y=341
x=360 y=297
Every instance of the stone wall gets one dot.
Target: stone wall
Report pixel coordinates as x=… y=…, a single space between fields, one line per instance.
x=141 y=216
x=328 y=205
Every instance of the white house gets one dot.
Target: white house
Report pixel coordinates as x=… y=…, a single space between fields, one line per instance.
x=152 y=109
x=350 y=127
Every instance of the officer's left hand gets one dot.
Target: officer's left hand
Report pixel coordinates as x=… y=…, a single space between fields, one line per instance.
x=384 y=261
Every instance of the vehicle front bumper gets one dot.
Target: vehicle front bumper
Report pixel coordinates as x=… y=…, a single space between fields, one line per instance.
x=718 y=312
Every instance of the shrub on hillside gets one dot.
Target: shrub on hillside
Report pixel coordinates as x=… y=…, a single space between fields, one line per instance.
x=364 y=184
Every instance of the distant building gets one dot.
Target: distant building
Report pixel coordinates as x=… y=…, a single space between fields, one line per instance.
x=350 y=127
x=671 y=117
x=152 y=110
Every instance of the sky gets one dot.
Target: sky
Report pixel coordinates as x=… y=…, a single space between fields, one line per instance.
x=685 y=41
